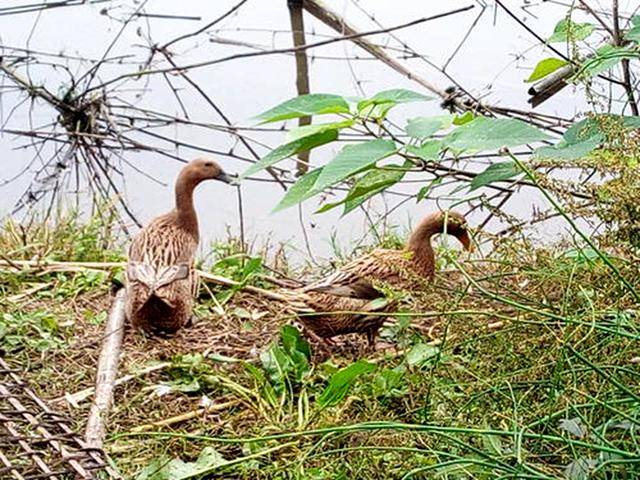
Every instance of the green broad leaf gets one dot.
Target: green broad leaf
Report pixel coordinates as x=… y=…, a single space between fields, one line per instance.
x=424 y=127
x=586 y=129
x=289 y=149
x=307 y=130
x=305 y=105
x=567 y=30
x=580 y=469
x=277 y=365
x=424 y=191
x=352 y=159
x=485 y=133
x=574 y=426
x=376 y=111
x=266 y=389
x=300 y=191
x=631 y=121
x=341 y=381
x=581 y=255
x=287 y=363
x=606 y=57
x=390 y=382
x=494 y=173
x=633 y=34
x=372 y=183
x=420 y=354
x=165 y=469
x=329 y=206
x=578 y=141
x=492 y=443
x=293 y=342
x=184 y=385
x=568 y=151
x=428 y=151
x=544 y=68
x=394 y=97
x=466 y=117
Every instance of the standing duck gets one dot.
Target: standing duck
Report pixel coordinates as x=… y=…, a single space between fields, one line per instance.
x=161 y=280
x=361 y=279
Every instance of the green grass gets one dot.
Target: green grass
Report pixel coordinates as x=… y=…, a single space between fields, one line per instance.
x=535 y=375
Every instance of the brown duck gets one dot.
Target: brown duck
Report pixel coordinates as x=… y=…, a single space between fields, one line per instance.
x=161 y=281
x=360 y=279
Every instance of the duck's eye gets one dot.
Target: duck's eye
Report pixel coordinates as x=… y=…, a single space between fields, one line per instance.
x=208 y=164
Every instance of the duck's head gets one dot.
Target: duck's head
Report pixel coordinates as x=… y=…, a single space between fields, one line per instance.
x=449 y=222
x=456 y=225
x=202 y=169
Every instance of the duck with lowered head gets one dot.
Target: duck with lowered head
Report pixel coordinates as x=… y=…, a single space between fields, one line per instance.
x=360 y=279
x=161 y=281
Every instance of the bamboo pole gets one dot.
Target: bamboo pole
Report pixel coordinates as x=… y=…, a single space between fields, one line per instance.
x=332 y=19
x=302 y=72
x=106 y=374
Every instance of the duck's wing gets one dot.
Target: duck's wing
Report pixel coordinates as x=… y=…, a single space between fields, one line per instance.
x=161 y=254
x=355 y=279
x=156 y=277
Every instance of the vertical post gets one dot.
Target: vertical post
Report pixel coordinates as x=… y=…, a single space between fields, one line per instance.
x=302 y=71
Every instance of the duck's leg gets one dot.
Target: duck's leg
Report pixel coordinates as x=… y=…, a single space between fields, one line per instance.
x=372 y=333
x=325 y=344
x=191 y=319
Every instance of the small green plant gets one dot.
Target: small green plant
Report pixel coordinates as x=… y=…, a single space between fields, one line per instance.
x=39 y=331
x=68 y=237
x=287 y=363
x=165 y=468
x=191 y=373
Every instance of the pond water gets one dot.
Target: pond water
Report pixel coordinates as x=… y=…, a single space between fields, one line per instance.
x=493 y=62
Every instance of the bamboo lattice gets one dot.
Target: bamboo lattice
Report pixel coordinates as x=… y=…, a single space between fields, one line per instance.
x=38 y=443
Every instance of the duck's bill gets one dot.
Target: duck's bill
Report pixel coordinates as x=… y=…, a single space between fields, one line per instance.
x=228 y=178
x=465 y=239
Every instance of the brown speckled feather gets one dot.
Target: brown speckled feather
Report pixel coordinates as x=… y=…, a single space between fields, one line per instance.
x=328 y=315
x=359 y=278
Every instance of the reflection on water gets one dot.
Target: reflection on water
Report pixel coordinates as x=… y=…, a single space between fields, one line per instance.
x=492 y=63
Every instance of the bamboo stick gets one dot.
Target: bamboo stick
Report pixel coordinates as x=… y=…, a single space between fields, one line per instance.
x=183 y=417
x=107 y=372
x=75 y=399
x=51 y=265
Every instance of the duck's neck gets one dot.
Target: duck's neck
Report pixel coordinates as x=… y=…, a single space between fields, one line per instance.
x=186 y=213
x=420 y=245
